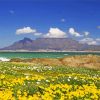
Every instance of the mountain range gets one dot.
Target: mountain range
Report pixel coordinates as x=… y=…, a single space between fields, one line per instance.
x=51 y=44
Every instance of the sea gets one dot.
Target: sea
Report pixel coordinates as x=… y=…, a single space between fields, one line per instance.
x=6 y=56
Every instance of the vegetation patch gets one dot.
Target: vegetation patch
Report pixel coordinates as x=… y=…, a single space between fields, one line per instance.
x=27 y=81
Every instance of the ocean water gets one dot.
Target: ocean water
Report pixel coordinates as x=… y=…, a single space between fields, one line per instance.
x=6 y=56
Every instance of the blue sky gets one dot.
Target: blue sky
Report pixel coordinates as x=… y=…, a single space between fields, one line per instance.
x=49 y=18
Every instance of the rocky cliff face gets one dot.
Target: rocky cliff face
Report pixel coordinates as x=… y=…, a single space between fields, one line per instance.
x=57 y=44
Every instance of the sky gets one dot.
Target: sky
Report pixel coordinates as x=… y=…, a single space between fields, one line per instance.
x=78 y=19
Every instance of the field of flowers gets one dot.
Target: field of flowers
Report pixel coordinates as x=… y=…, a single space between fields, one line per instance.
x=20 y=81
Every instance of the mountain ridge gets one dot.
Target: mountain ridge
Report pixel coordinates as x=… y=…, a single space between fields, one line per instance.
x=51 y=44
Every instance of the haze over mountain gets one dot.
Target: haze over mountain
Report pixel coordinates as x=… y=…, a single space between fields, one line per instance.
x=51 y=44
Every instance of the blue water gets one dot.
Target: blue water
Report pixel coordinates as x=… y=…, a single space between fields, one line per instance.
x=42 y=54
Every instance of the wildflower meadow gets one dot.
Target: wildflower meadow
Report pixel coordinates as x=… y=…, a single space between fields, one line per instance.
x=25 y=81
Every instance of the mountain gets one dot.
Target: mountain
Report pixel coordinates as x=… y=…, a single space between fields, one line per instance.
x=51 y=44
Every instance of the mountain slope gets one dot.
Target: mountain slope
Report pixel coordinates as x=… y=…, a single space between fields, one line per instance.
x=58 y=44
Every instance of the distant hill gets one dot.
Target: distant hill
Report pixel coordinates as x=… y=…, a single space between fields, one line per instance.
x=51 y=44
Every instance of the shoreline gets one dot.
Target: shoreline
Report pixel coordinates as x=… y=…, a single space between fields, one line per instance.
x=47 y=51
x=87 y=61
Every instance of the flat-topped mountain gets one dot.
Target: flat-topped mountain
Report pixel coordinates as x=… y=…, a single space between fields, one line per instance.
x=51 y=44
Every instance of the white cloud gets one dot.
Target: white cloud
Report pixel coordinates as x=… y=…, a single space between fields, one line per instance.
x=74 y=33
x=98 y=39
x=55 y=33
x=63 y=20
x=37 y=34
x=86 y=33
x=11 y=11
x=98 y=27
x=89 y=41
x=25 y=30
